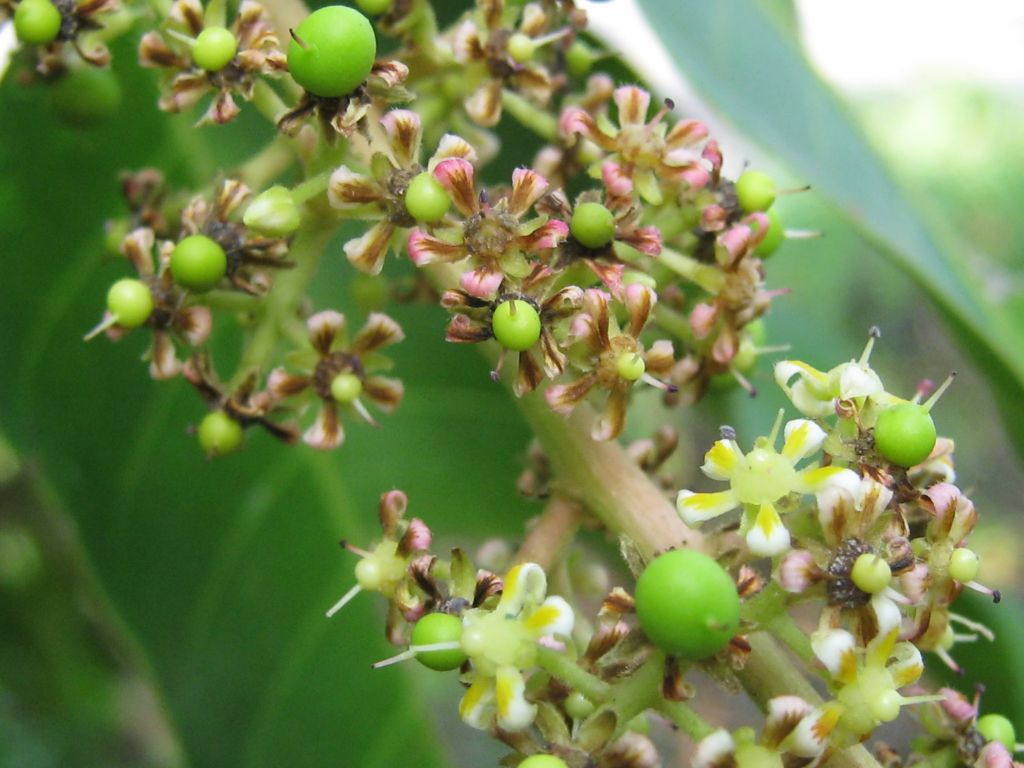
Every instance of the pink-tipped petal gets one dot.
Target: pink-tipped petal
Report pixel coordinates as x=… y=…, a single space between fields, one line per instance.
x=633 y=103
x=576 y=121
x=615 y=181
x=367 y=253
x=404 y=132
x=482 y=282
x=326 y=432
x=548 y=235
x=527 y=187
x=324 y=328
x=457 y=176
x=379 y=331
x=702 y=319
x=424 y=249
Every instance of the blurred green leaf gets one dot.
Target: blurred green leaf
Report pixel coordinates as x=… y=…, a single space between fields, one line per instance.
x=222 y=570
x=749 y=67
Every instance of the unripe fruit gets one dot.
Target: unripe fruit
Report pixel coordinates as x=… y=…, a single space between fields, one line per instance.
x=870 y=573
x=374 y=7
x=86 y=96
x=579 y=59
x=37 y=22
x=346 y=387
x=755 y=191
x=336 y=53
x=773 y=238
x=687 y=604
x=630 y=366
x=425 y=199
x=543 y=761
x=516 y=325
x=578 y=706
x=592 y=225
x=214 y=48
x=521 y=48
x=905 y=434
x=198 y=263
x=997 y=728
x=130 y=302
x=219 y=434
x=963 y=564
x=438 y=628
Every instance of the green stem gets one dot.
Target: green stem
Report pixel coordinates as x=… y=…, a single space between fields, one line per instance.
x=311 y=187
x=561 y=667
x=534 y=118
x=273 y=160
x=268 y=102
x=675 y=323
x=282 y=301
x=695 y=726
x=638 y=692
x=551 y=535
x=231 y=301
x=707 y=276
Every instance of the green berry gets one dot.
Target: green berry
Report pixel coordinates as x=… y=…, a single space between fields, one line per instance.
x=425 y=199
x=630 y=365
x=439 y=628
x=214 y=48
x=130 y=302
x=755 y=191
x=592 y=225
x=963 y=564
x=273 y=213
x=374 y=7
x=543 y=761
x=369 y=574
x=37 y=22
x=336 y=52
x=346 y=387
x=870 y=573
x=85 y=96
x=579 y=59
x=219 y=434
x=198 y=263
x=516 y=325
x=773 y=238
x=905 y=434
x=578 y=706
x=521 y=48
x=997 y=728
x=687 y=604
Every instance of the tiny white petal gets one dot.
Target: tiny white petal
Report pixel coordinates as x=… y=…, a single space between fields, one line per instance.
x=712 y=749
x=831 y=645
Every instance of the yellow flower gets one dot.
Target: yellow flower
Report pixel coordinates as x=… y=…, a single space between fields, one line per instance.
x=760 y=479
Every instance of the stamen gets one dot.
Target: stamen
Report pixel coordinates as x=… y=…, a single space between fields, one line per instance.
x=793 y=190
x=299 y=40
x=353 y=548
x=664 y=386
x=496 y=373
x=974 y=626
x=105 y=323
x=359 y=408
x=943 y=654
x=398 y=659
x=873 y=333
x=802 y=234
x=938 y=393
x=995 y=594
x=181 y=37
x=345 y=599
x=905 y=700
x=743 y=381
x=550 y=38
x=774 y=436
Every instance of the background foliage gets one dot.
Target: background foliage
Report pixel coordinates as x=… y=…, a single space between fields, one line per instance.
x=157 y=609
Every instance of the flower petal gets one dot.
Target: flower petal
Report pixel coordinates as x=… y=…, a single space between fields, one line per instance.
x=525 y=585
x=633 y=103
x=906 y=667
x=326 y=432
x=457 y=176
x=768 y=536
x=515 y=713
x=281 y=384
x=484 y=105
x=697 y=507
x=803 y=438
x=817 y=479
x=613 y=418
x=379 y=331
x=716 y=750
x=483 y=282
x=562 y=398
x=835 y=648
x=527 y=187
x=811 y=735
x=404 y=131
x=384 y=391
x=784 y=715
x=367 y=253
x=554 y=617
x=324 y=328
x=347 y=189
x=721 y=460
x=424 y=249
x=478 y=702
x=452 y=146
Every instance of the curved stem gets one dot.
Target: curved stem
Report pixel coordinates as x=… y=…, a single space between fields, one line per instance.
x=561 y=667
x=547 y=540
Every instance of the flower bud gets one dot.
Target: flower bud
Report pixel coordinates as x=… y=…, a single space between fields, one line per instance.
x=273 y=213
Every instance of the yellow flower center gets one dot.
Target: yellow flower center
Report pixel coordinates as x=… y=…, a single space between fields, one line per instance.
x=762 y=477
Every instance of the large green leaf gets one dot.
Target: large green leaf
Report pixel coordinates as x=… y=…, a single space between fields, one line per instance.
x=747 y=64
x=222 y=570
